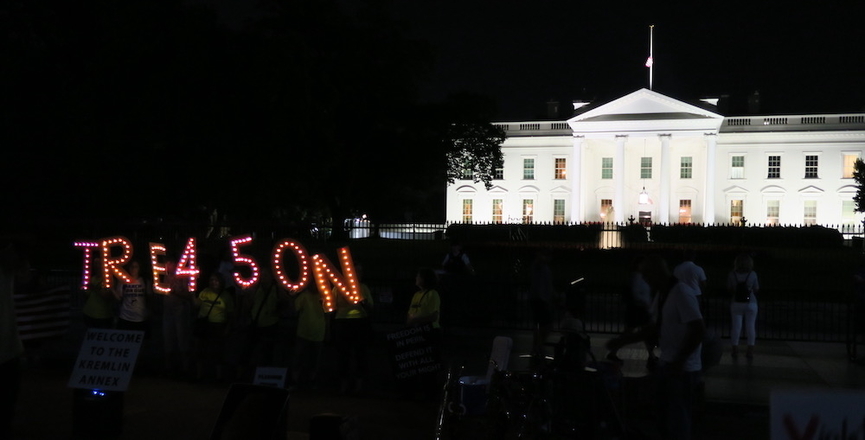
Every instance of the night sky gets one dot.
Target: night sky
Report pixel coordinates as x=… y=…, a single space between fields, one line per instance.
x=526 y=53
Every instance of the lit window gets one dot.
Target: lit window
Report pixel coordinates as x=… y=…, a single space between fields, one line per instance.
x=737 y=167
x=467 y=173
x=498 y=206
x=528 y=210
x=849 y=165
x=810 y=213
x=848 y=212
x=736 y=211
x=606 y=210
x=774 y=169
x=606 y=168
x=773 y=211
x=645 y=167
x=811 y=163
x=561 y=171
x=684 y=211
x=559 y=210
x=686 y=171
x=467 y=210
x=528 y=169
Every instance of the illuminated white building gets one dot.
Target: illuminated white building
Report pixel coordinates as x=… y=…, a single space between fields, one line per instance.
x=658 y=159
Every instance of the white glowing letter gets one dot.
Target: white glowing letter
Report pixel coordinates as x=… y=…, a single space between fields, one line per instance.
x=327 y=277
x=159 y=268
x=302 y=263
x=243 y=260
x=88 y=261
x=186 y=267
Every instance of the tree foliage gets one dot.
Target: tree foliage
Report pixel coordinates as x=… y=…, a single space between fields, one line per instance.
x=475 y=149
x=859 y=177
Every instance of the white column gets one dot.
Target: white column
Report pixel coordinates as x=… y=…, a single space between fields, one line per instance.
x=577 y=211
x=619 y=178
x=709 y=199
x=664 y=206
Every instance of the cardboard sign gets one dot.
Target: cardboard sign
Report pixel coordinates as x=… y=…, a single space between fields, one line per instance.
x=106 y=360
x=413 y=353
x=817 y=414
x=270 y=376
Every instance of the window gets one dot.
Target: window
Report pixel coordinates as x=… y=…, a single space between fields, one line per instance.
x=499 y=173
x=774 y=169
x=811 y=166
x=684 y=211
x=606 y=210
x=561 y=171
x=645 y=167
x=737 y=167
x=773 y=211
x=467 y=173
x=686 y=170
x=559 y=210
x=848 y=212
x=810 y=213
x=498 y=209
x=528 y=210
x=467 y=210
x=736 y=211
x=528 y=169
x=606 y=168
x=849 y=165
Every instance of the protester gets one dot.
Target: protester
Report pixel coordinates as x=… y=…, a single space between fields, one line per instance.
x=353 y=331
x=743 y=286
x=177 y=312
x=457 y=285
x=135 y=297
x=679 y=330
x=425 y=308
x=311 y=330
x=215 y=313
x=638 y=300
x=264 y=314
x=98 y=309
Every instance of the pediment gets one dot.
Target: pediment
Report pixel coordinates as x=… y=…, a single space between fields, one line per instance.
x=560 y=190
x=735 y=189
x=466 y=189
x=644 y=105
x=810 y=189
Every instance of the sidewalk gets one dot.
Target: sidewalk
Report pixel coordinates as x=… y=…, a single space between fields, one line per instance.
x=737 y=392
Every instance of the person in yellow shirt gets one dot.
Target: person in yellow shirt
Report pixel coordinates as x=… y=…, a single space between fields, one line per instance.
x=311 y=328
x=217 y=307
x=352 y=332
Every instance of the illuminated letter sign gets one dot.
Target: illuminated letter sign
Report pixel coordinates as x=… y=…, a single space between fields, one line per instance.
x=112 y=267
x=88 y=261
x=243 y=260
x=300 y=255
x=326 y=276
x=186 y=267
x=159 y=269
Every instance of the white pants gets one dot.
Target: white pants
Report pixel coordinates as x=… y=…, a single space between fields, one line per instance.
x=740 y=311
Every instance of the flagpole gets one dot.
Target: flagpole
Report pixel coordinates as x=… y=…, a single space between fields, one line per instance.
x=651 y=61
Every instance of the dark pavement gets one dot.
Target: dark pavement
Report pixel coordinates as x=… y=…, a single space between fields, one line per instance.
x=154 y=407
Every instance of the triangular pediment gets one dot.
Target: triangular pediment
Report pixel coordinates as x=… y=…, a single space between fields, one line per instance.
x=645 y=105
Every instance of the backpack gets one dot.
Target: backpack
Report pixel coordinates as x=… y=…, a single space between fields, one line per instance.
x=743 y=292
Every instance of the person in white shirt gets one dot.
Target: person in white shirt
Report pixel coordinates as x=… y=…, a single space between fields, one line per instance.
x=689 y=273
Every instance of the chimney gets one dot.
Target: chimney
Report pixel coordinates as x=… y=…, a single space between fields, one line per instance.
x=553 y=109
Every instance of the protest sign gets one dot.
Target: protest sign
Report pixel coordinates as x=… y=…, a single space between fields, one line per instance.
x=413 y=352
x=106 y=359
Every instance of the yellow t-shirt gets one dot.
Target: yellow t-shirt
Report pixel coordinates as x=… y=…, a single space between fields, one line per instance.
x=424 y=303
x=310 y=316
x=222 y=305
x=345 y=309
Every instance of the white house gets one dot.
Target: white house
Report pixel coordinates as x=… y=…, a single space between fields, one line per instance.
x=653 y=158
